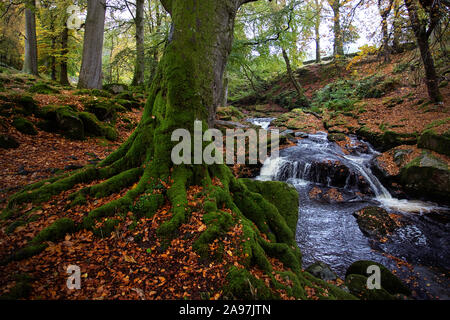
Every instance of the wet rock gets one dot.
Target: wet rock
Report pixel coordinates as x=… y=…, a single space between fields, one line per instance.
x=375 y=222
x=334 y=137
x=322 y=271
x=400 y=155
x=8 y=142
x=384 y=141
x=436 y=142
x=357 y=284
x=389 y=282
x=427 y=176
x=301 y=135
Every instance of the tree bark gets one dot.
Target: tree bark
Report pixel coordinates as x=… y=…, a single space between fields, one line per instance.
x=318 y=9
x=138 y=78
x=291 y=75
x=30 y=64
x=63 y=77
x=91 y=65
x=397 y=28
x=338 y=46
x=420 y=31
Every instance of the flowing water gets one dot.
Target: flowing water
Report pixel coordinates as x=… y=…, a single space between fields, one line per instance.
x=328 y=232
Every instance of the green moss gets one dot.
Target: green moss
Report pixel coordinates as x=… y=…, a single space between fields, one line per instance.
x=147 y=205
x=93 y=93
x=94 y=127
x=24 y=126
x=29 y=251
x=389 y=282
x=128 y=104
x=357 y=285
x=62 y=119
x=25 y=103
x=55 y=231
x=42 y=88
x=436 y=142
x=104 y=110
x=242 y=285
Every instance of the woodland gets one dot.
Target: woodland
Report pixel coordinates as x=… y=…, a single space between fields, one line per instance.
x=91 y=92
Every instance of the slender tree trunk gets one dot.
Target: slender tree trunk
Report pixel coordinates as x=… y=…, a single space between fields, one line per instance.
x=53 y=56
x=139 y=71
x=384 y=27
x=396 y=25
x=420 y=31
x=91 y=65
x=318 y=10
x=338 y=47
x=292 y=77
x=63 y=77
x=30 y=64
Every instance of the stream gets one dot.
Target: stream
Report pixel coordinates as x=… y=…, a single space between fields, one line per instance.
x=328 y=232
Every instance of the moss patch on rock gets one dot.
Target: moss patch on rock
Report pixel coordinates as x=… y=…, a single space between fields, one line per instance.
x=24 y=126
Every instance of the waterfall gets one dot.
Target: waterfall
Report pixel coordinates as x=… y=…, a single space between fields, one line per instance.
x=319 y=161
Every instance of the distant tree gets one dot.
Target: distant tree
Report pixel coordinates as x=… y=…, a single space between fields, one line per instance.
x=424 y=16
x=385 y=7
x=338 y=43
x=31 y=54
x=91 y=65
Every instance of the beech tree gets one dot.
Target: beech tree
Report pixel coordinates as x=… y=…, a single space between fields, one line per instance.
x=424 y=17
x=31 y=55
x=139 y=71
x=91 y=64
x=338 y=44
x=188 y=86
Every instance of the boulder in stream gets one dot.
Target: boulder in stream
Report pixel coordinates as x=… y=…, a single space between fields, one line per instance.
x=375 y=222
x=322 y=271
x=427 y=176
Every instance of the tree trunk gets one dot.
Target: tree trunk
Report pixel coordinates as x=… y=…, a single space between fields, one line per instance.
x=63 y=77
x=318 y=9
x=338 y=46
x=30 y=64
x=397 y=28
x=384 y=28
x=291 y=75
x=420 y=31
x=139 y=71
x=91 y=65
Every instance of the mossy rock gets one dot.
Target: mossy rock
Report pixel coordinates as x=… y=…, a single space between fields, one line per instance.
x=43 y=88
x=335 y=137
x=92 y=126
x=126 y=95
x=389 y=281
x=322 y=271
x=384 y=141
x=62 y=119
x=24 y=126
x=229 y=113
x=55 y=231
x=375 y=222
x=436 y=142
x=93 y=93
x=8 y=142
x=103 y=110
x=357 y=284
x=25 y=103
x=115 y=88
x=427 y=176
x=128 y=104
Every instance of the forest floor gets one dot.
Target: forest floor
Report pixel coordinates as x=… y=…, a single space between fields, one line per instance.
x=118 y=267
